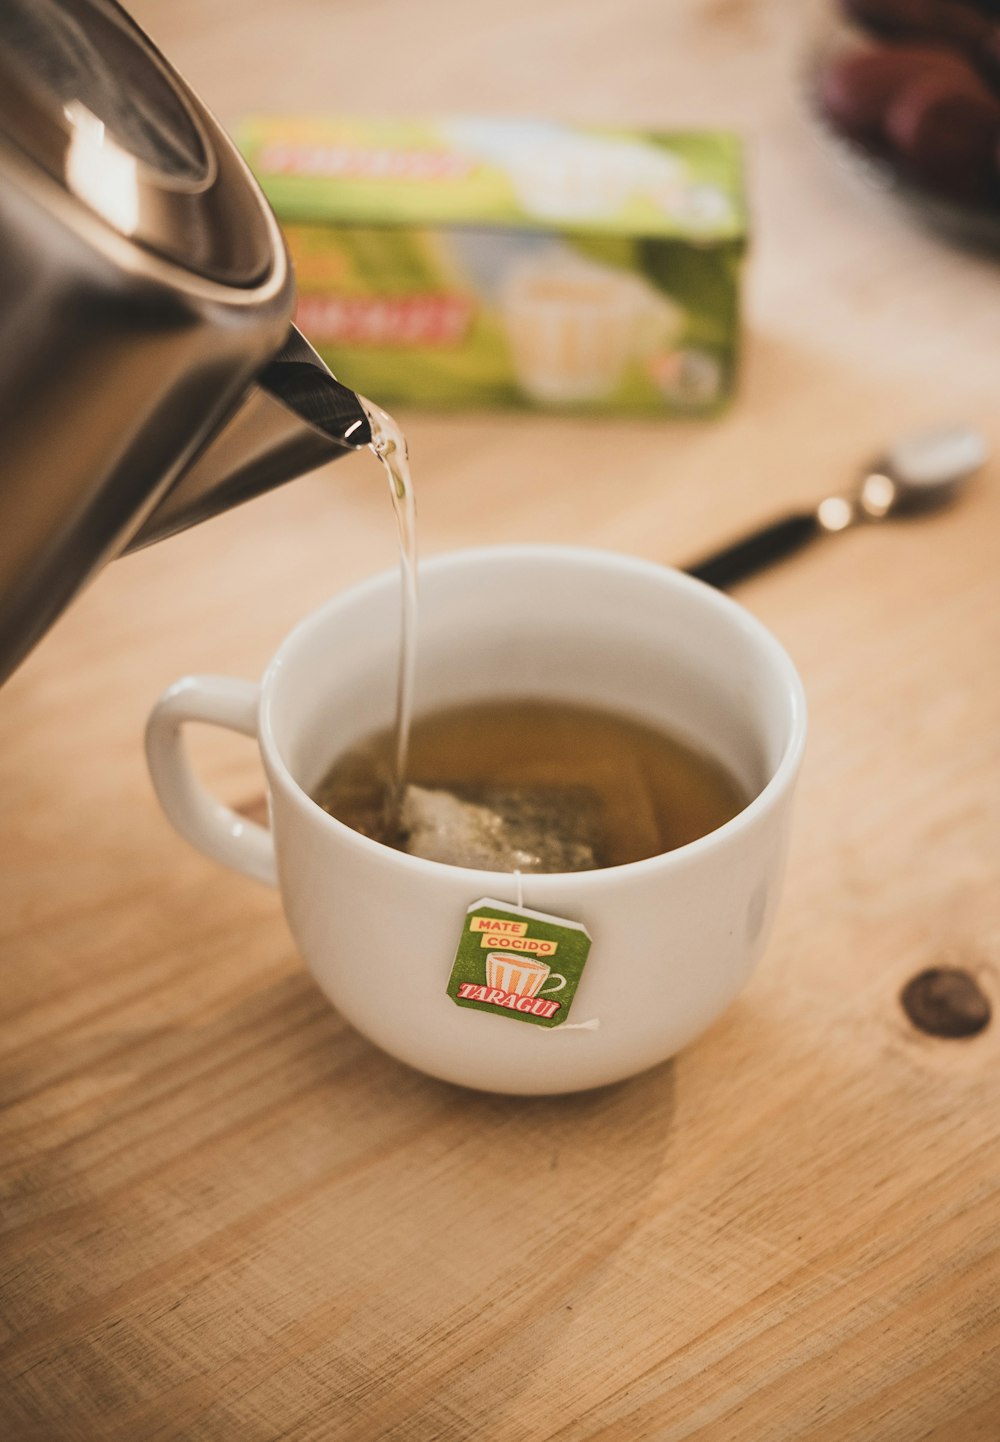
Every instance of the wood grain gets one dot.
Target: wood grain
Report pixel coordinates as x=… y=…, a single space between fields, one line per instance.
x=223 y=1214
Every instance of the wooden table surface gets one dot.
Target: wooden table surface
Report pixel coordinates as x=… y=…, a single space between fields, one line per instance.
x=224 y=1214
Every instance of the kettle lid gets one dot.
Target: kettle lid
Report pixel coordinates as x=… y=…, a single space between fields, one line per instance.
x=88 y=99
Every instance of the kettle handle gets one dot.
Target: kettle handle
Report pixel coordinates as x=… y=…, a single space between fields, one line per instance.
x=192 y=810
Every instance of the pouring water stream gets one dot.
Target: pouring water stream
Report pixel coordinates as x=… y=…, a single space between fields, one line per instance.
x=389 y=444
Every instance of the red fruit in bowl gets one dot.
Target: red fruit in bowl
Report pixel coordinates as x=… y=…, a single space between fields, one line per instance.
x=947 y=137
x=971 y=28
x=954 y=20
x=856 y=87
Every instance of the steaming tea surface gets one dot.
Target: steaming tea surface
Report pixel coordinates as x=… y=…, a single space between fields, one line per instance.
x=532 y=785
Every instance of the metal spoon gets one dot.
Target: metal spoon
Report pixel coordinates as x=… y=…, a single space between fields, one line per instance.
x=918 y=472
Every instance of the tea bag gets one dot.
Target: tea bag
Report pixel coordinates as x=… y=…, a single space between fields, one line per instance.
x=493 y=827
x=624 y=817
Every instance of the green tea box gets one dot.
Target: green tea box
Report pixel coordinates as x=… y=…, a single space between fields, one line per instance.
x=467 y=262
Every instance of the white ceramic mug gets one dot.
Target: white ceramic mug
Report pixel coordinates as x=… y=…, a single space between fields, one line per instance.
x=674 y=938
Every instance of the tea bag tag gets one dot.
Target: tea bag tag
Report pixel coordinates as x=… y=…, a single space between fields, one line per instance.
x=518 y=963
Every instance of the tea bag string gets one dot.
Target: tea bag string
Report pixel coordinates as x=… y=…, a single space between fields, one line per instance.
x=594 y=1023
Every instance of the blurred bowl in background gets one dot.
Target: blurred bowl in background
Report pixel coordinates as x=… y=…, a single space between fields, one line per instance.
x=909 y=92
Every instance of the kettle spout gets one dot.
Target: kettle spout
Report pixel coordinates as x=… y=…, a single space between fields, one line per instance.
x=296 y=417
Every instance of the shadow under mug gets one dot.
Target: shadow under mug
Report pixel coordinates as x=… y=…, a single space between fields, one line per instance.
x=674 y=938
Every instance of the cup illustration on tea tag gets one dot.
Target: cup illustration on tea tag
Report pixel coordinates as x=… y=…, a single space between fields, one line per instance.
x=512 y=972
x=506 y=962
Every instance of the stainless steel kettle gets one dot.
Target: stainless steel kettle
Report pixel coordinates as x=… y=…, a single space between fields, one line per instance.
x=149 y=372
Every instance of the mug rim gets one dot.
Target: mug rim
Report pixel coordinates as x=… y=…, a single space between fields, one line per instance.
x=778 y=782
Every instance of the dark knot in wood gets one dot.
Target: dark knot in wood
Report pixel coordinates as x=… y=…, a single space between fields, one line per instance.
x=946 y=1001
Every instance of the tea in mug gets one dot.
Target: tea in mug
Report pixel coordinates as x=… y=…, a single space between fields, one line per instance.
x=533 y=786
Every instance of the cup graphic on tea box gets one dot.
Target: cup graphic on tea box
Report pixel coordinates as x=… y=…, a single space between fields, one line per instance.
x=574 y=327
x=521 y=974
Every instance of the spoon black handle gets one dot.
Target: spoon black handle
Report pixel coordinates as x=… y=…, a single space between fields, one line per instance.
x=757 y=550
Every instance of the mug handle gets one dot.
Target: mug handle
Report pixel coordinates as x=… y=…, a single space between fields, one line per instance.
x=192 y=810
x=553 y=976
